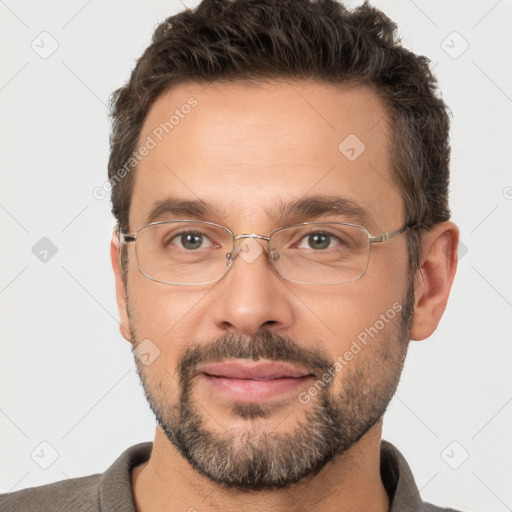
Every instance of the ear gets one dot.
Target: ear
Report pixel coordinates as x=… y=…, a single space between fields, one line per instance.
x=434 y=278
x=124 y=324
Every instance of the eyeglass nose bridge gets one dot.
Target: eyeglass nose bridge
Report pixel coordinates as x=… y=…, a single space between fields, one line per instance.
x=251 y=235
x=248 y=258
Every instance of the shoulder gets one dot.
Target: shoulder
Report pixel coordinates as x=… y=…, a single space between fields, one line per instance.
x=73 y=495
x=108 y=491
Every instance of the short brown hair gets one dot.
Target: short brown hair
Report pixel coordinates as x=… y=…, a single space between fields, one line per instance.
x=264 y=40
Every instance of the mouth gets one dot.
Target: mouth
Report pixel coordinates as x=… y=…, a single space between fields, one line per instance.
x=254 y=381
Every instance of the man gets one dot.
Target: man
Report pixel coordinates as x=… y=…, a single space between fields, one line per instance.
x=280 y=176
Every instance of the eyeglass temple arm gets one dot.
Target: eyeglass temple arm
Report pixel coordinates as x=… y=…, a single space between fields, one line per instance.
x=388 y=236
x=125 y=238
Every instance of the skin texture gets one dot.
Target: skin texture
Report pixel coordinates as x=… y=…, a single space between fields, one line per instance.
x=247 y=149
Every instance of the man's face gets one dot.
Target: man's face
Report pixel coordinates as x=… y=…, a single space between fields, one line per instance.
x=236 y=386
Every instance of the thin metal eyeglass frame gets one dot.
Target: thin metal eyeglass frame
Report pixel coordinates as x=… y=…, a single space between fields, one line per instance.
x=372 y=239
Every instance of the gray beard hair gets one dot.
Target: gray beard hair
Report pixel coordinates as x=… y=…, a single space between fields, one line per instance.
x=255 y=459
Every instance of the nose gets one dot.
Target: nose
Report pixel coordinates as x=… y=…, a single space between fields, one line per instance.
x=251 y=296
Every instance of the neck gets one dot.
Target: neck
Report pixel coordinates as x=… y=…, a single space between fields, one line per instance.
x=350 y=482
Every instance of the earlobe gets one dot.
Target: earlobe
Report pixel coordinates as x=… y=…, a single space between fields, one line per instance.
x=434 y=278
x=121 y=295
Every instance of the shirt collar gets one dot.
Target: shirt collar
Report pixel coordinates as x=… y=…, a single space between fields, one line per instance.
x=116 y=490
x=398 y=480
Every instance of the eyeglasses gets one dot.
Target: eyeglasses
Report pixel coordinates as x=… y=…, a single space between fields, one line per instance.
x=188 y=252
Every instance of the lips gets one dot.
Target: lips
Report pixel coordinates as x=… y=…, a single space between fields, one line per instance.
x=253 y=381
x=253 y=370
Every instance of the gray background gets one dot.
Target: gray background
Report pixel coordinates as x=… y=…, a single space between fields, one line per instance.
x=67 y=376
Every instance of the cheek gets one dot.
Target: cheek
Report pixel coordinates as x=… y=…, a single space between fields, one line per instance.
x=165 y=316
x=372 y=359
x=358 y=320
x=342 y=314
x=383 y=289
x=159 y=319
x=160 y=309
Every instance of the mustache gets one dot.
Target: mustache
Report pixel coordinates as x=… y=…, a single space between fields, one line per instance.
x=266 y=345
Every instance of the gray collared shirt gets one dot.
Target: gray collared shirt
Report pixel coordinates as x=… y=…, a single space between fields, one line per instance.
x=112 y=490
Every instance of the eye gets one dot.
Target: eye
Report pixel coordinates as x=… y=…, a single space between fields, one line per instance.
x=191 y=240
x=319 y=241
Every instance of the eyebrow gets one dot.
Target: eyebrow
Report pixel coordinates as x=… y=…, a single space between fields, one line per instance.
x=321 y=206
x=306 y=208
x=195 y=209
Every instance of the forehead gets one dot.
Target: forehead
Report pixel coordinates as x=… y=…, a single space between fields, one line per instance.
x=249 y=149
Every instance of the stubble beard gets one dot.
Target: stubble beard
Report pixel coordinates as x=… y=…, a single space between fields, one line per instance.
x=255 y=458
